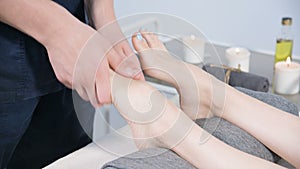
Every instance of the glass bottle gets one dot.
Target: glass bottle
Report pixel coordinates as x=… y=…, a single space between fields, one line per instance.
x=284 y=42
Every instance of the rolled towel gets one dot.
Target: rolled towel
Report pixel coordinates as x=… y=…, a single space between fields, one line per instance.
x=237 y=78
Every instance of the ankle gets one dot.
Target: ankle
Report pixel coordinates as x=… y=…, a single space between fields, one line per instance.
x=218 y=96
x=172 y=127
x=205 y=89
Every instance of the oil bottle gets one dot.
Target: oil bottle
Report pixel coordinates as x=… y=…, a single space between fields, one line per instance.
x=284 y=42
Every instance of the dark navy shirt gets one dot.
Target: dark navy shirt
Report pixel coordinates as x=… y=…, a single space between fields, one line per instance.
x=25 y=70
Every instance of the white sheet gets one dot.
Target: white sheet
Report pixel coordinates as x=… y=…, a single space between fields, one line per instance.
x=95 y=155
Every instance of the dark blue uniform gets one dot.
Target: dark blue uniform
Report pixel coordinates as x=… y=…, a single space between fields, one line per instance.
x=37 y=119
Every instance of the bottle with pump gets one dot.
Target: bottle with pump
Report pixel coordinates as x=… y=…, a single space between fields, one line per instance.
x=284 y=42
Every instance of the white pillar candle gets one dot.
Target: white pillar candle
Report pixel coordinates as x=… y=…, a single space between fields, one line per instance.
x=238 y=58
x=287 y=77
x=193 y=49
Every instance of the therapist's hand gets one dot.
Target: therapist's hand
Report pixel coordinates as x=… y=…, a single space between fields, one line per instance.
x=98 y=51
x=65 y=50
x=102 y=17
x=127 y=63
x=81 y=58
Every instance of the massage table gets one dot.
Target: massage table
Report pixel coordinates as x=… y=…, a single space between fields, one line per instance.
x=96 y=154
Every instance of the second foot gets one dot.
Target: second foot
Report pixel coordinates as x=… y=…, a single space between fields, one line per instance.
x=192 y=83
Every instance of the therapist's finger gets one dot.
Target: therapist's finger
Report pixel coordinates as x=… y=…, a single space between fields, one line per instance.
x=82 y=93
x=127 y=66
x=129 y=53
x=102 y=87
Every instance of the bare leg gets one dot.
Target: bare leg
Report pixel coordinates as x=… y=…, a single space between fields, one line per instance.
x=276 y=129
x=155 y=121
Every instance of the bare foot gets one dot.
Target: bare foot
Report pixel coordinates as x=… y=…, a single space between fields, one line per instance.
x=193 y=84
x=154 y=121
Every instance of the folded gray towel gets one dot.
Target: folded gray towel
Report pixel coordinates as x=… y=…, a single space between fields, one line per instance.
x=237 y=78
x=156 y=158
x=152 y=158
x=284 y=163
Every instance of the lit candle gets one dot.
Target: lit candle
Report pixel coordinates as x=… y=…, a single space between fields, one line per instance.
x=287 y=77
x=238 y=58
x=193 y=49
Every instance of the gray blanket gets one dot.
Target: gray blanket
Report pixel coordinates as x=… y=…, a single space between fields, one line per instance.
x=156 y=158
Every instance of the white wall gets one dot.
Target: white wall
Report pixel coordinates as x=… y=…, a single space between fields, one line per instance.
x=253 y=23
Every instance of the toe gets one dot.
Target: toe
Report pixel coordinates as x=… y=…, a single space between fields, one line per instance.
x=153 y=41
x=139 y=43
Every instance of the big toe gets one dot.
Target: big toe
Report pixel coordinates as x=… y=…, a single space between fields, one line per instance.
x=146 y=40
x=139 y=43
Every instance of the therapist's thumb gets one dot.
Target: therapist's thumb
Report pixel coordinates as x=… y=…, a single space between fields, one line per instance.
x=102 y=84
x=125 y=62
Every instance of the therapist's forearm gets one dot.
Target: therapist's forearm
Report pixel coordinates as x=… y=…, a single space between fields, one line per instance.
x=101 y=12
x=44 y=20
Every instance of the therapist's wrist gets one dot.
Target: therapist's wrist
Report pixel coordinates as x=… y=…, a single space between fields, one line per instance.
x=70 y=33
x=64 y=27
x=100 y=12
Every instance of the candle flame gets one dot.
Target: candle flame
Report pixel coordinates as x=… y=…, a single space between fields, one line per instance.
x=193 y=37
x=237 y=50
x=288 y=61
